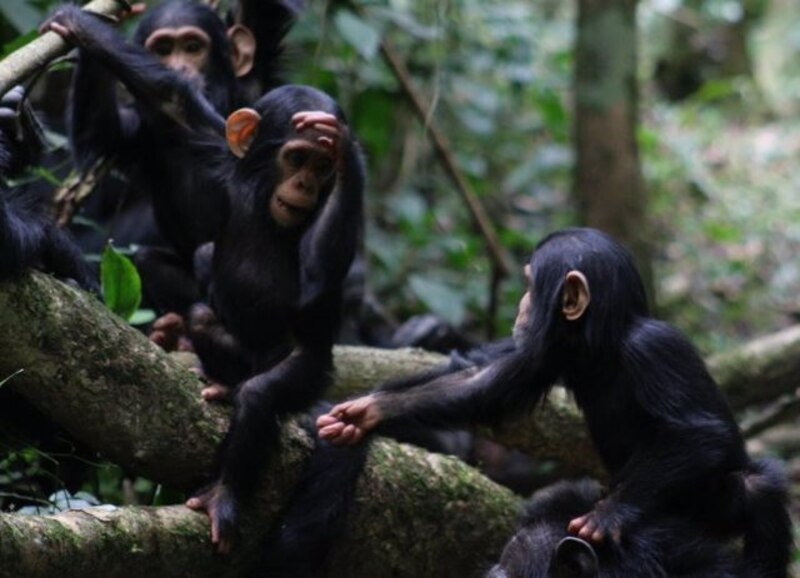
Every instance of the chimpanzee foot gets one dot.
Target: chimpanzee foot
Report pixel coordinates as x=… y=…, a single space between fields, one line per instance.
x=220 y=505
x=169 y=333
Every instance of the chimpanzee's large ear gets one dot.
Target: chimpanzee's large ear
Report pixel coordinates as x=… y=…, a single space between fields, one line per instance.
x=241 y=129
x=243 y=49
x=576 y=296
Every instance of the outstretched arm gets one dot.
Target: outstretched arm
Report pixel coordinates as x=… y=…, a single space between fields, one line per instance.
x=509 y=386
x=158 y=89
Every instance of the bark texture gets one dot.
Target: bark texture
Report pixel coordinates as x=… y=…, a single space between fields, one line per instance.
x=608 y=186
x=31 y=58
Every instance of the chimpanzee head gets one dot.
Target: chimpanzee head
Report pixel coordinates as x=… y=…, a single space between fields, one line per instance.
x=191 y=39
x=581 y=284
x=291 y=167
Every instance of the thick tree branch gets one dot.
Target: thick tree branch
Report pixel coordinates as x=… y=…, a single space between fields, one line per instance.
x=118 y=394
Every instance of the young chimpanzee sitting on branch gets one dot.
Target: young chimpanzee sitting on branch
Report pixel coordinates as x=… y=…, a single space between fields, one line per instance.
x=29 y=236
x=292 y=177
x=660 y=425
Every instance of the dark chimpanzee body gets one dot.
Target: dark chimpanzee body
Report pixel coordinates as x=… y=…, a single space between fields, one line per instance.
x=29 y=236
x=660 y=425
x=176 y=37
x=659 y=548
x=285 y=238
x=276 y=281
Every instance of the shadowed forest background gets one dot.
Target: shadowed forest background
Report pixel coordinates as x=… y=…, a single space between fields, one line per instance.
x=705 y=187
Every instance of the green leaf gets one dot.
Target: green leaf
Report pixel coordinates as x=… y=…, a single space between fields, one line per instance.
x=357 y=33
x=439 y=298
x=122 y=287
x=142 y=317
x=20 y=14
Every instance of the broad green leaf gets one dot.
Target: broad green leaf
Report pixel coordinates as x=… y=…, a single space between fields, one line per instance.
x=122 y=287
x=20 y=14
x=357 y=33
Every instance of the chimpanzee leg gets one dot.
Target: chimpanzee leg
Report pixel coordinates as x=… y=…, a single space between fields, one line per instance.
x=318 y=511
x=254 y=434
x=168 y=282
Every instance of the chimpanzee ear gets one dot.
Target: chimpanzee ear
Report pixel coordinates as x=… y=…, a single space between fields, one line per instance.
x=243 y=49
x=576 y=296
x=241 y=129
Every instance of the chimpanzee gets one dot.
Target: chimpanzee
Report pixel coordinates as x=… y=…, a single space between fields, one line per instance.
x=163 y=180
x=660 y=547
x=276 y=280
x=660 y=425
x=28 y=234
x=289 y=228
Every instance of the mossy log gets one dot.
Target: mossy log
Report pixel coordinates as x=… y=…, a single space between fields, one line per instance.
x=121 y=396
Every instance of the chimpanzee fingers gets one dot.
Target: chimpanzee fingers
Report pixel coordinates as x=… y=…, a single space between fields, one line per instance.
x=58 y=28
x=326 y=420
x=318 y=120
x=13 y=97
x=331 y=432
x=216 y=392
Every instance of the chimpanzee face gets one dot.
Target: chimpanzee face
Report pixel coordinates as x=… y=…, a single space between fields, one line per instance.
x=524 y=310
x=306 y=168
x=185 y=50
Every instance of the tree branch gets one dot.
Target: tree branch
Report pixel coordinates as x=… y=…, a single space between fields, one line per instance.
x=29 y=59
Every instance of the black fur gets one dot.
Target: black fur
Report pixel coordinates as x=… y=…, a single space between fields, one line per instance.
x=660 y=425
x=29 y=236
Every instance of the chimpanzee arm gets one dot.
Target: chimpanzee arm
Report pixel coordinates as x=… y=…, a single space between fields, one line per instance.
x=254 y=434
x=157 y=88
x=507 y=387
x=328 y=247
x=98 y=126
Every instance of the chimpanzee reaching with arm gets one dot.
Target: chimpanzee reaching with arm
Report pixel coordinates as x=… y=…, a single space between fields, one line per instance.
x=28 y=235
x=177 y=37
x=279 y=257
x=662 y=428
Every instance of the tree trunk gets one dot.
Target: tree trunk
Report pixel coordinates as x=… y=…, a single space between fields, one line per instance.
x=608 y=181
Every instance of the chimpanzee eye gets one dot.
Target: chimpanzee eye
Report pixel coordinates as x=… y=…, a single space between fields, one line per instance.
x=296 y=158
x=325 y=167
x=193 y=46
x=162 y=47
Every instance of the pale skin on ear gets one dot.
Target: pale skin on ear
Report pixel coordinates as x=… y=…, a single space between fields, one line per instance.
x=243 y=49
x=348 y=422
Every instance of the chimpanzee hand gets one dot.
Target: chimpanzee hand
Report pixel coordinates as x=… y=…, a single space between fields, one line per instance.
x=9 y=107
x=606 y=519
x=333 y=131
x=223 y=510
x=348 y=422
x=74 y=24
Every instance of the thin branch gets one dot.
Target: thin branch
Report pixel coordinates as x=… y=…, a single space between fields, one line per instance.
x=443 y=150
x=22 y=63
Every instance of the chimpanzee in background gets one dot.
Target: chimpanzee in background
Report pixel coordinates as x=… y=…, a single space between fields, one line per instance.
x=176 y=37
x=666 y=546
x=29 y=236
x=660 y=425
x=289 y=228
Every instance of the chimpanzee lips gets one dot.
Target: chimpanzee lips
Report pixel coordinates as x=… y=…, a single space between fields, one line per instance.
x=293 y=208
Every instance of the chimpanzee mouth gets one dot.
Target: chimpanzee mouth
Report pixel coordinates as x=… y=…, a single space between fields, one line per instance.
x=289 y=207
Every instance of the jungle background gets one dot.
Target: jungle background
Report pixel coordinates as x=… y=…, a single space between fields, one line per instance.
x=710 y=205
